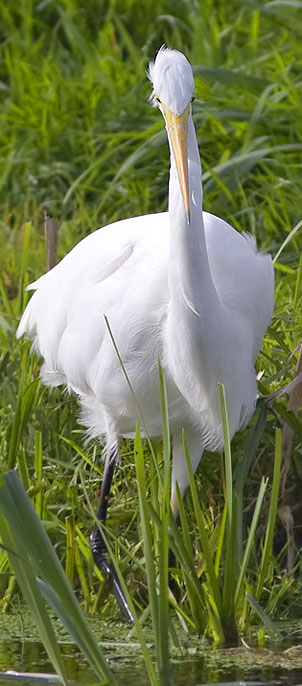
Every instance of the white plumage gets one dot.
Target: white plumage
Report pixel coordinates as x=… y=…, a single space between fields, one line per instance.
x=182 y=286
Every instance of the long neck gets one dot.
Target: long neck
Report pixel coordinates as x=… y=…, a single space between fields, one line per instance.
x=190 y=280
x=192 y=336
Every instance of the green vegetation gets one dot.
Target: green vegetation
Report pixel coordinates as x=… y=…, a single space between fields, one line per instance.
x=214 y=599
x=80 y=141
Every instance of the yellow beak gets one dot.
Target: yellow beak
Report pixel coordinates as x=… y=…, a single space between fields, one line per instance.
x=177 y=126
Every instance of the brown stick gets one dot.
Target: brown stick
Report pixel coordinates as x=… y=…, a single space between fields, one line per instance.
x=51 y=228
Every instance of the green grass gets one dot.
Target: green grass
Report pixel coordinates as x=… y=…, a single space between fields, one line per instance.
x=80 y=140
x=41 y=579
x=216 y=598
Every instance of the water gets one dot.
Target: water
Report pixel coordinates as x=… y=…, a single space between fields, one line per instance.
x=231 y=668
x=200 y=664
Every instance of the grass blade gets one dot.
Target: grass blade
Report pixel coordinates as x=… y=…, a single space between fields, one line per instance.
x=268 y=544
x=264 y=616
x=164 y=663
x=250 y=539
x=210 y=569
x=28 y=531
x=25 y=254
x=30 y=589
x=38 y=473
x=227 y=453
x=231 y=559
x=147 y=537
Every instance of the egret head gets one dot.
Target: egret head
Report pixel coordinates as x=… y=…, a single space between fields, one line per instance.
x=173 y=87
x=172 y=79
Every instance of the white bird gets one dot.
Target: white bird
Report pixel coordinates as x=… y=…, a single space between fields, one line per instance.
x=181 y=286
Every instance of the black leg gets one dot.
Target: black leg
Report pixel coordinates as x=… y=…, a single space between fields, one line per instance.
x=173 y=585
x=97 y=543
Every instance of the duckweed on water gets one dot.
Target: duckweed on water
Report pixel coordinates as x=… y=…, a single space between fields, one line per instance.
x=198 y=664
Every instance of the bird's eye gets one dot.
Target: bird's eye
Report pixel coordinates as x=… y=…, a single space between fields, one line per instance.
x=157 y=99
x=193 y=98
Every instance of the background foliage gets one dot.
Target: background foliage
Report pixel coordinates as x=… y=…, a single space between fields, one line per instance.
x=79 y=140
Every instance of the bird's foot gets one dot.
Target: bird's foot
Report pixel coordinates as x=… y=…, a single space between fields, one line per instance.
x=100 y=556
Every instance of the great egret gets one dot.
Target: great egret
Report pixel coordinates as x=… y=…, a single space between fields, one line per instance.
x=182 y=286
